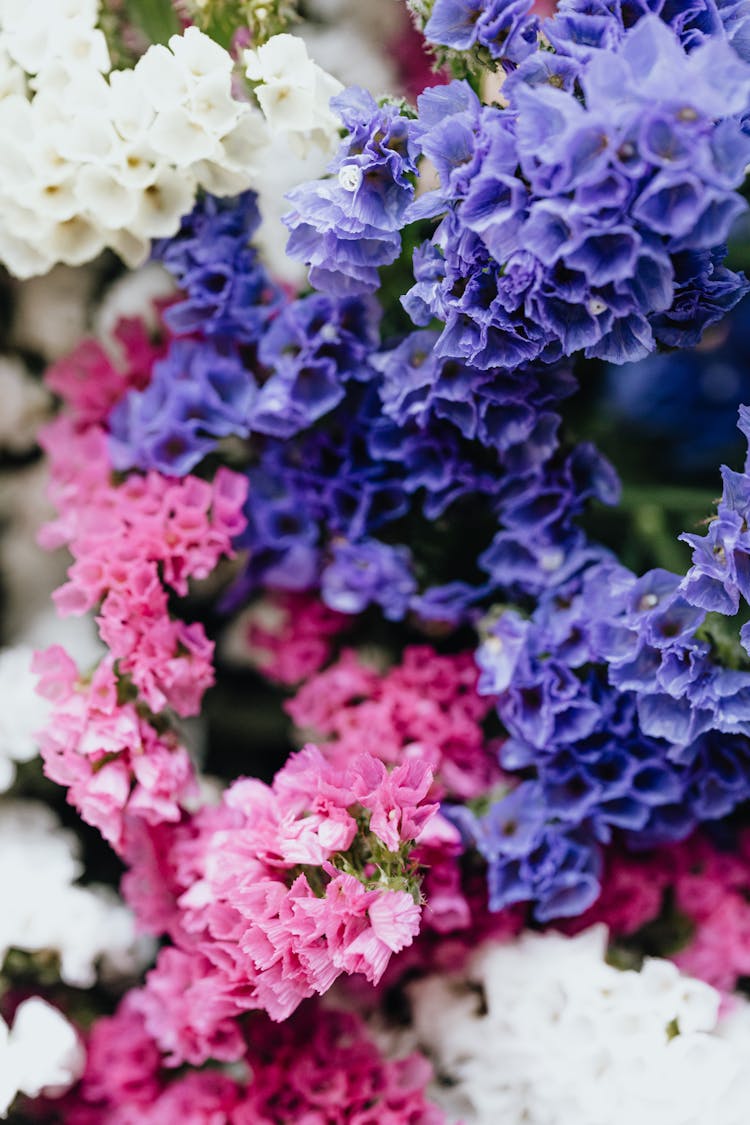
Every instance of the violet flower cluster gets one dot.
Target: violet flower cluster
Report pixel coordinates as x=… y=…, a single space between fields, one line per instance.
x=365 y=517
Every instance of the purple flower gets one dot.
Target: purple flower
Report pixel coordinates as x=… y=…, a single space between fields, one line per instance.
x=369 y=573
x=504 y=27
x=530 y=858
x=227 y=293
x=591 y=220
x=347 y=227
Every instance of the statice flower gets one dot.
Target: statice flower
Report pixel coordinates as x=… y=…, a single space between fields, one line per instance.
x=214 y=385
x=520 y=1034
x=617 y=719
x=694 y=892
x=425 y=707
x=312 y=350
x=581 y=28
x=503 y=27
x=48 y=911
x=22 y=712
x=40 y=1053
x=513 y=412
x=530 y=856
x=285 y=635
x=227 y=293
x=293 y=92
x=568 y=220
x=320 y=1061
x=369 y=573
x=93 y=377
x=655 y=644
x=195 y=397
x=318 y=504
x=111 y=158
x=280 y=890
x=720 y=573
x=131 y=543
x=348 y=226
x=112 y=760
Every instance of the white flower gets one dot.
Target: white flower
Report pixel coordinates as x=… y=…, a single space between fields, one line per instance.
x=22 y=711
x=93 y=159
x=41 y=1053
x=293 y=91
x=543 y=1032
x=45 y=910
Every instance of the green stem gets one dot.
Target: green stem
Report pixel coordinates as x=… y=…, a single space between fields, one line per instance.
x=671 y=498
x=156 y=18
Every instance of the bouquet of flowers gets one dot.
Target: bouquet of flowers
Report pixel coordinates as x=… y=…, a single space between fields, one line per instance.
x=387 y=756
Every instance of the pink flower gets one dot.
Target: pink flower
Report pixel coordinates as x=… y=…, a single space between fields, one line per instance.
x=395 y=799
x=395 y=919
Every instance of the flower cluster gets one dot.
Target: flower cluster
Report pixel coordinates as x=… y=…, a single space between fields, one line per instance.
x=280 y=890
x=425 y=708
x=380 y=494
x=694 y=893
x=82 y=925
x=39 y=1031
x=503 y=27
x=319 y=1065
x=287 y=636
x=109 y=159
x=535 y=1020
x=23 y=712
x=720 y=574
x=347 y=227
x=130 y=542
x=576 y=225
x=112 y=760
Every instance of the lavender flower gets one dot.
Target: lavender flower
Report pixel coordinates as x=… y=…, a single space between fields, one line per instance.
x=585 y=225
x=347 y=227
x=502 y=27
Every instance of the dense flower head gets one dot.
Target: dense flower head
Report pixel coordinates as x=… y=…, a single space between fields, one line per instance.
x=321 y=1062
x=195 y=397
x=720 y=574
x=521 y=1033
x=280 y=890
x=657 y=644
x=85 y=926
x=581 y=28
x=570 y=222
x=426 y=708
x=214 y=384
x=93 y=378
x=322 y=504
x=374 y=494
x=287 y=635
x=530 y=855
x=227 y=294
x=511 y=411
x=29 y=1071
x=503 y=27
x=111 y=158
x=348 y=226
x=694 y=891
x=131 y=543
x=631 y=744
x=110 y=758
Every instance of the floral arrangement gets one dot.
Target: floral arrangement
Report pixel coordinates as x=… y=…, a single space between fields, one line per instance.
x=386 y=755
